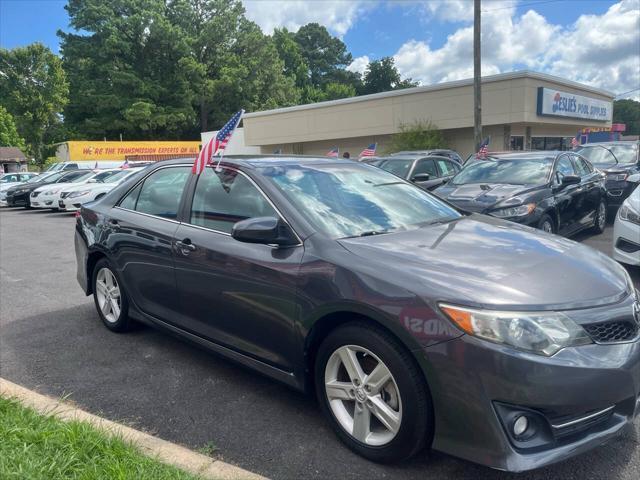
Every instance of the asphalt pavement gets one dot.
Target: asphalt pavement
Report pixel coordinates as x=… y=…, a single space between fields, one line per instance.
x=51 y=340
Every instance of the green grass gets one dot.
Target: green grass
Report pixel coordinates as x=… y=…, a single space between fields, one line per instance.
x=33 y=446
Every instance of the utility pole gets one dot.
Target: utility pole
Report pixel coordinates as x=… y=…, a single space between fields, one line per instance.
x=477 y=96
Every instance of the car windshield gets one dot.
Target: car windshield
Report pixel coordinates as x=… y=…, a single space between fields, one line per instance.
x=38 y=178
x=54 y=177
x=514 y=172
x=608 y=154
x=105 y=176
x=348 y=201
x=84 y=177
x=397 y=166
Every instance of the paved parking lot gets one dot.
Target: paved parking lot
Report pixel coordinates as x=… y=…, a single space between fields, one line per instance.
x=51 y=340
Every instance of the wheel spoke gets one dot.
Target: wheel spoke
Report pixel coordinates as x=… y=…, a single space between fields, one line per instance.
x=387 y=416
x=115 y=293
x=378 y=377
x=115 y=308
x=361 y=422
x=338 y=390
x=109 y=280
x=106 y=306
x=351 y=363
x=102 y=288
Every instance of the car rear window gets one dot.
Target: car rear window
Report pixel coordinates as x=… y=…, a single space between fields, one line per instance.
x=516 y=172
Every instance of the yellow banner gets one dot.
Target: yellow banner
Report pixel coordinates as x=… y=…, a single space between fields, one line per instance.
x=81 y=150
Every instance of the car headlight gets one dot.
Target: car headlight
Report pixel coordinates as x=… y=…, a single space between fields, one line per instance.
x=542 y=333
x=628 y=214
x=519 y=211
x=53 y=192
x=79 y=194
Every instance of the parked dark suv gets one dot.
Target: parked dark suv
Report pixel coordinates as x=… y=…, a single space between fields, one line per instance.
x=618 y=160
x=559 y=192
x=415 y=325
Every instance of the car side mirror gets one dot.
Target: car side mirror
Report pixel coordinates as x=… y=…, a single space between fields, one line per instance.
x=570 y=180
x=264 y=230
x=421 y=177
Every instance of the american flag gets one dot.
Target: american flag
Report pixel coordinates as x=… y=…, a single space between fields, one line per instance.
x=125 y=164
x=333 y=152
x=483 y=151
x=370 y=151
x=216 y=144
x=574 y=142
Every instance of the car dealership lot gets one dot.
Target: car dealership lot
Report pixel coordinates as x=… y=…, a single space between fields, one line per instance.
x=51 y=340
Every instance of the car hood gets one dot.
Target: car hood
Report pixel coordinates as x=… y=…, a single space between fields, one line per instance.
x=480 y=197
x=634 y=199
x=485 y=262
x=89 y=186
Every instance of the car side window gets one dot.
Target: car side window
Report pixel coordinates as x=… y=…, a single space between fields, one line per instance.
x=564 y=168
x=582 y=166
x=446 y=168
x=226 y=197
x=426 y=166
x=160 y=193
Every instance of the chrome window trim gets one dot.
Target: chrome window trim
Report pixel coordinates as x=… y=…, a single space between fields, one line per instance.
x=259 y=190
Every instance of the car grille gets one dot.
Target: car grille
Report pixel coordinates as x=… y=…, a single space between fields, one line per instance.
x=610 y=332
x=64 y=194
x=34 y=194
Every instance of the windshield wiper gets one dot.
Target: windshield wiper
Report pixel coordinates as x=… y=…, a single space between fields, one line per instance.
x=369 y=233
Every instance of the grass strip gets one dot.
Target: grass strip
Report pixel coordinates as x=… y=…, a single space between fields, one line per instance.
x=34 y=446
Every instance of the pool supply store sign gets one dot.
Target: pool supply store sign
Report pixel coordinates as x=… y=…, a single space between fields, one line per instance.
x=555 y=103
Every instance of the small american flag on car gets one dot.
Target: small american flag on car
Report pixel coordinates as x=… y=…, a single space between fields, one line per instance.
x=217 y=144
x=483 y=151
x=333 y=152
x=370 y=151
x=125 y=164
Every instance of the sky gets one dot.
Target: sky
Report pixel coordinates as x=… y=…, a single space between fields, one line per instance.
x=596 y=42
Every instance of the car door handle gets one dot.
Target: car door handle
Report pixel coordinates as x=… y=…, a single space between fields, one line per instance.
x=185 y=246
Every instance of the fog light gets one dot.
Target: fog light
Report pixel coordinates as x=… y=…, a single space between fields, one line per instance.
x=520 y=425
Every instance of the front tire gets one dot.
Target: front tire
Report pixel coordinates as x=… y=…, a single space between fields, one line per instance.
x=546 y=224
x=373 y=394
x=110 y=297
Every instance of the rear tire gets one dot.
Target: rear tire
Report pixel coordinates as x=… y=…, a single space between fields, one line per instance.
x=546 y=224
x=381 y=384
x=110 y=297
x=600 y=222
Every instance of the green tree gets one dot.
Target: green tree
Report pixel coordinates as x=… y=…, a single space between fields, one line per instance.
x=419 y=135
x=123 y=71
x=323 y=53
x=627 y=111
x=34 y=90
x=383 y=76
x=333 y=91
x=8 y=133
x=291 y=54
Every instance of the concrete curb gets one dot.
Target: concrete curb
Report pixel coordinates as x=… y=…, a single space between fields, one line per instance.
x=165 y=452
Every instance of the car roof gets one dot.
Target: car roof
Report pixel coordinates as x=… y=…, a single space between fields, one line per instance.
x=422 y=152
x=618 y=142
x=530 y=154
x=253 y=161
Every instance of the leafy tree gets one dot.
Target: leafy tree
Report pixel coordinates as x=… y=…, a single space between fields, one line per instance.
x=35 y=90
x=8 y=133
x=627 y=111
x=323 y=53
x=333 y=91
x=383 y=76
x=291 y=54
x=419 y=135
x=123 y=74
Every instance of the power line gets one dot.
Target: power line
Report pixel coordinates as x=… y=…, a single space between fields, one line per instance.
x=523 y=5
x=625 y=93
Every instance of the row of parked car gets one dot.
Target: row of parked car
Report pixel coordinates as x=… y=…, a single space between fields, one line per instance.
x=562 y=192
x=59 y=189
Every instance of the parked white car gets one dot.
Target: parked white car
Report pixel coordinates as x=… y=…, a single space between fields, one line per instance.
x=71 y=199
x=48 y=196
x=626 y=229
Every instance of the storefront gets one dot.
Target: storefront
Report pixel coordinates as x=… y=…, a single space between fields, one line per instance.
x=520 y=110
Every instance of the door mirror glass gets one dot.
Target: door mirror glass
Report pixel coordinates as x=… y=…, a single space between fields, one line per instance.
x=421 y=177
x=264 y=230
x=570 y=180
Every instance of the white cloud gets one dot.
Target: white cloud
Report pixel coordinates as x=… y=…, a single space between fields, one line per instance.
x=338 y=16
x=359 y=64
x=600 y=50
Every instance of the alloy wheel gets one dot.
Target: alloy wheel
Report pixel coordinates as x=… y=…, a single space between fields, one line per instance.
x=602 y=216
x=363 y=395
x=547 y=227
x=108 y=295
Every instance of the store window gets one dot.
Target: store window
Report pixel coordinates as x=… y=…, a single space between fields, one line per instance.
x=517 y=142
x=551 y=143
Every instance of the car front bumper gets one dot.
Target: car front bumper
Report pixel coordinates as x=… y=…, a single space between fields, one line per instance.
x=70 y=204
x=472 y=382
x=19 y=200
x=626 y=242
